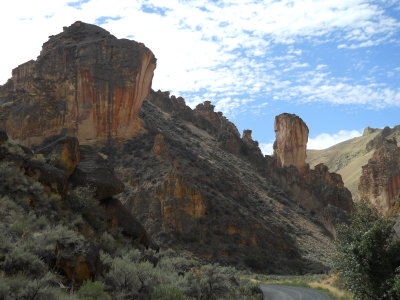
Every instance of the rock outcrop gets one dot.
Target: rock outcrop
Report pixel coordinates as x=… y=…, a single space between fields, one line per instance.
x=59 y=166
x=94 y=171
x=78 y=260
x=85 y=81
x=291 y=141
x=348 y=157
x=316 y=189
x=380 y=179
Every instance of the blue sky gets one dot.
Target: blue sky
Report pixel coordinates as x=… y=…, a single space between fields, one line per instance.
x=335 y=63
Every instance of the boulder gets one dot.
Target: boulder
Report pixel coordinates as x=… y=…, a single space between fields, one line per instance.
x=77 y=259
x=3 y=137
x=61 y=152
x=120 y=217
x=93 y=170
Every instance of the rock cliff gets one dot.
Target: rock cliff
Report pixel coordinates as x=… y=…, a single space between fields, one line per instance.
x=85 y=82
x=317 y=189
x=291 y=141
x=380 y=179
x=348 y=157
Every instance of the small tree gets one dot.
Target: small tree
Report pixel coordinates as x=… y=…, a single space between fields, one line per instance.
x=368 y=255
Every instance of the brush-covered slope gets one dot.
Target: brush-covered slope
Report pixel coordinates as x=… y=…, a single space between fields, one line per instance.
x=195 y=184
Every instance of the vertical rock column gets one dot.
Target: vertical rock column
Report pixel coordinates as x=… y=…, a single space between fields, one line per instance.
x=291 y=141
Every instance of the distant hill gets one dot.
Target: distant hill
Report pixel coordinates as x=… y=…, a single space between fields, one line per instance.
x=348 y=157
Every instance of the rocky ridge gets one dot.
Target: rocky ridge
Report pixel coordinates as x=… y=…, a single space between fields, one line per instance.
x=348 y=158
x=51 y=174
x=380 y=178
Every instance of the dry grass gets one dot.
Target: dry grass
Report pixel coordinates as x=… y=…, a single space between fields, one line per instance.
x=324 y=283
x=330 y=285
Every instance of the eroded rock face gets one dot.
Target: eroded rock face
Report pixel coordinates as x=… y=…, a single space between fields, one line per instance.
x=291 y=141
x=78 y=259
x=380 y=179
x=62 y=152
x=85 y=81
x=94 y=171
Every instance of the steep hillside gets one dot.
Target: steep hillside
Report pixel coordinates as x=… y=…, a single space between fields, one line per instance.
x=348 y=157
x=196 y=184
x=187 y=175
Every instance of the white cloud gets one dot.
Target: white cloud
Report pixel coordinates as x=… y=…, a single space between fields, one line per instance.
x=321 y=141
x=224 y=48
x=326 y=140
x=267 y=148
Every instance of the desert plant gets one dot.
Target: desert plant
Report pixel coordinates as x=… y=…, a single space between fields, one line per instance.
x=167 y=292
x=18 y=260
x=210 y=282
x=367 y=254
x=93 y=290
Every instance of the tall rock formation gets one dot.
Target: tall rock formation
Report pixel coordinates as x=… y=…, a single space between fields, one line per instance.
x=85 y=82
x=380 y=179
x=291 y=141
x=316 y=189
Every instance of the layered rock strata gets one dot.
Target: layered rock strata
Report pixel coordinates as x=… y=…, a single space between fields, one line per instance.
x=85 y=82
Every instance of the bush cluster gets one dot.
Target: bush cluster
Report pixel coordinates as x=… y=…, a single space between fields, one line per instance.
x=33 y=218
x=368 y=255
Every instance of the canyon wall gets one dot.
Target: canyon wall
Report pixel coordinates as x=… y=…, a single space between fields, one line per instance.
x=85 y=82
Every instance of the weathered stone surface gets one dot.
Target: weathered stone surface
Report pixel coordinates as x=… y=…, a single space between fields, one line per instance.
x=3 y=137
x=291 y=141
x=120 y=217
x=380 y=179
x=246 y=136
x=62 y=152
x=49 y=175
x=316 y=189
x=229 y=204
x=85 y=80
x=94 y=171
x=78 y=259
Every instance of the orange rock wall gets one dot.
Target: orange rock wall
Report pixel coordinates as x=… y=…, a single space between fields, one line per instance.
x=85 y=81
x=291 y=141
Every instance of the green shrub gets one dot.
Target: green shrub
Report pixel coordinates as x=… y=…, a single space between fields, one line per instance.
x=4 y=288
x=93 y=291
x=166 y=292
x=19 y=260
x=22 y=287
x=368 y=255
x=127 y=278
x=210 y=282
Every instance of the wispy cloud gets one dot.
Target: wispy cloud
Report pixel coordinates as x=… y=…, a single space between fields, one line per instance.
x=226 y=48
x=326 y=140
x=321 y=141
